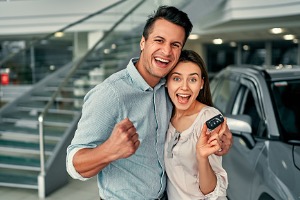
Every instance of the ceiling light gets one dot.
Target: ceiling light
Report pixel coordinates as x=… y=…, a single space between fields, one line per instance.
x=59 y=34
x=246 y=47
x=193 y=37
x=106 y=51
x=218 y=41
x=233 y=44
x=289 y=37
x=276 y=30
x=113 y=46
x=296 y=41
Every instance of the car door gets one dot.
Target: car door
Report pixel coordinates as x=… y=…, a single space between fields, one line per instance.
x=241 y=161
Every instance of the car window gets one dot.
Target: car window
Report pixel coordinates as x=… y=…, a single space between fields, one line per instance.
x=248 y=104
x=286 y=95
x=213 y=84
x=223 y=95
x=249 y=108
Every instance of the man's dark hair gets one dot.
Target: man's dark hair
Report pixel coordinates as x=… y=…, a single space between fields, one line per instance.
x=172 y=15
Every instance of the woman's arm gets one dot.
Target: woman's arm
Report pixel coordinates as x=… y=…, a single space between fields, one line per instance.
x=208 y=143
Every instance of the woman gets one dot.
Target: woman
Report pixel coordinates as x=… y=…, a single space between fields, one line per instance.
x=194 y=171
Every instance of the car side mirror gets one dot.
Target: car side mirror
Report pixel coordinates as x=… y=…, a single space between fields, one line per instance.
x=240 y=126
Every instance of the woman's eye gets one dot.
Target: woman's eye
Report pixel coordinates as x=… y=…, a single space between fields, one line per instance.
x=193 y=80
x=176 y=79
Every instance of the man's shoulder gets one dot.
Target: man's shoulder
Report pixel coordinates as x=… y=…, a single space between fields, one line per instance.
x=115 y=81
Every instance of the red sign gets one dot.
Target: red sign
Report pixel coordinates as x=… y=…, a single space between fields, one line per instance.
x=4 y=79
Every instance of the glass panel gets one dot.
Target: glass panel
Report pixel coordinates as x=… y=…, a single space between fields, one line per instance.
x=220 y=56
x=284 y=52
x=223 y=94
x=253 y=53
x=286 y=95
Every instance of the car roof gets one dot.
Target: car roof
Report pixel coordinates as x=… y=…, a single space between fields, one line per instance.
x=273 y=73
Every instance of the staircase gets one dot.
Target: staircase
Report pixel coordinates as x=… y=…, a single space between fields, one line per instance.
x=20 y=150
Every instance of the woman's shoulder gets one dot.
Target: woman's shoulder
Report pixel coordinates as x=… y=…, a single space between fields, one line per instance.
x=208 y=111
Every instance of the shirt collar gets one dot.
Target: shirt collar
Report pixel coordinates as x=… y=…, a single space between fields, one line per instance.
x=138 y=80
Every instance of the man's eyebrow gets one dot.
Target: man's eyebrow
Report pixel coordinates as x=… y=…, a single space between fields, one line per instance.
x=160 y=37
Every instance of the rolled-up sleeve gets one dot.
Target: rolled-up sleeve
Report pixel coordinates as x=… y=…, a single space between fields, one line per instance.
x=70 y=167
x=98 y=118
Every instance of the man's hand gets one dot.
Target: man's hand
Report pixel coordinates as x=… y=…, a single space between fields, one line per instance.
x=122 y=143
x=124 y=140
x=226 y=139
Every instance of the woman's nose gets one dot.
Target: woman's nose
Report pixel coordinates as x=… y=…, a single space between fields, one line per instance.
x=184 y=85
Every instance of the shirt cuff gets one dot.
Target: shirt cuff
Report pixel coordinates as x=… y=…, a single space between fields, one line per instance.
x=70 y=167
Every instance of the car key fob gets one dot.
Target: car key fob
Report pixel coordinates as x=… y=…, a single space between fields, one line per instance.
x=215 y=121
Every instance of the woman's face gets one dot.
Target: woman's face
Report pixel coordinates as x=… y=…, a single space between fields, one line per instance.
x=184 y=83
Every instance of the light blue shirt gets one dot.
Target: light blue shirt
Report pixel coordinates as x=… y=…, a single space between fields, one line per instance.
x=127 y=94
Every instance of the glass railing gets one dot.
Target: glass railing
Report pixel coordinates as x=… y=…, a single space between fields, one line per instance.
x=28 y=59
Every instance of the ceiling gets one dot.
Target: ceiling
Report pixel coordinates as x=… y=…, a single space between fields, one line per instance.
x=231 y=20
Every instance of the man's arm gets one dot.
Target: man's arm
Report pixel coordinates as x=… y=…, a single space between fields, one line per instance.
x=122 y=143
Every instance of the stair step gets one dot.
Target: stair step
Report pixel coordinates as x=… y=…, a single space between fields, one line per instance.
x=24 y=147
x=32 y=117
x=39 y=106
x=57 y=99
x=48 y=93
x=19 y=130
x=53 y=89
x=27 y=181
x=23 y=163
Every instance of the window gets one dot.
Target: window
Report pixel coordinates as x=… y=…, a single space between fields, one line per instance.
x=286 y=95
x=222 y=96
x=250 y=105
x=249 y=108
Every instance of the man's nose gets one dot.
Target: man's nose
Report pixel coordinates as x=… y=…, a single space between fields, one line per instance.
x=166 y=49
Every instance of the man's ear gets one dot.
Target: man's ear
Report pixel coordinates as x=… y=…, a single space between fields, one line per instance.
x=142 y=43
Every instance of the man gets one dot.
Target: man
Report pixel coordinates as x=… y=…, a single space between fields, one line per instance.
x=121 y=134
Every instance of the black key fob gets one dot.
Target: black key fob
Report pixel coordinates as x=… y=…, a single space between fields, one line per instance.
x=215 y=121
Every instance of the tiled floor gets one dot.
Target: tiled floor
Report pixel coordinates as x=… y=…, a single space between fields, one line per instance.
x=74 y=190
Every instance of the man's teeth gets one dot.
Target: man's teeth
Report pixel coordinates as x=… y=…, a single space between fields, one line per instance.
x=162 y=60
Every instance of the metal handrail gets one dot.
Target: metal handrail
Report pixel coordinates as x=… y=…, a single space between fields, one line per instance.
x=73 y=69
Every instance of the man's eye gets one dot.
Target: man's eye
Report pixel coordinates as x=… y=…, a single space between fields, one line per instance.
x=176 y=45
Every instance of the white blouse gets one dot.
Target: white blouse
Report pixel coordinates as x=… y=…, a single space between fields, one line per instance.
x=181 y=162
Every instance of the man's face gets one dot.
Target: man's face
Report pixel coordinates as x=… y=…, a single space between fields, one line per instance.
x=161 y=51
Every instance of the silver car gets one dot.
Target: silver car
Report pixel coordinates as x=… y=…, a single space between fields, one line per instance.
x=263 y=110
